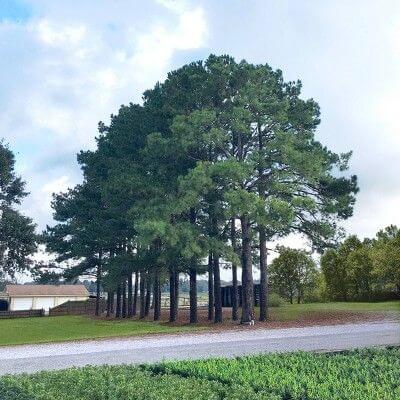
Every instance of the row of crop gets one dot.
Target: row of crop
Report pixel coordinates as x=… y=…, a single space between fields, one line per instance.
x=118 y=383
x=357 y=375
x=364 y=374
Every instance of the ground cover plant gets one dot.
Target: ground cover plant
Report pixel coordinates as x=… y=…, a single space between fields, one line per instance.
x=368 y=374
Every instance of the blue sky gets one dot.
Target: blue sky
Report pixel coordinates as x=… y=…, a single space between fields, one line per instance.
x=68 y=64
x=14 y=10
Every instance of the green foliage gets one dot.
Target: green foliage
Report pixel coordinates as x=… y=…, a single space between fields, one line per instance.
x=385 y=254
x=293 y=273
x=274 y=300
x=111 y=383
x=17 y=232
x=12 y=188
x=364 y=374
x=45 y=274
x=335 y=274
x=355 y=375
x=318 y=292
x=364 y=270
x=217 y=140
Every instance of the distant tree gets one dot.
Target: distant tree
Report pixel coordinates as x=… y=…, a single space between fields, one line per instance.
x=17 y=232
x=293 y=273
x=339 y=267
x=385 y=256
x=80 y=234
x=46 y=274
x=3 y=281
x=359 y=266
x=335 y=275
x=363 y=270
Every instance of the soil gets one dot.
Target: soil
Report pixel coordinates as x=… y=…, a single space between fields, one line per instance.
x=305 y=319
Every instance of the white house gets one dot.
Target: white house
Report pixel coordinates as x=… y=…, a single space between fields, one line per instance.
x=37 y=297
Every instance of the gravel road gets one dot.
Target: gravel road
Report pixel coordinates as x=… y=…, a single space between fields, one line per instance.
x=32 y=358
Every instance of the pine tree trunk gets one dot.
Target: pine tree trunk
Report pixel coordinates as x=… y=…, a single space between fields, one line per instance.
x=108 y=313
x=193 y=279
x=112 y=302
x=130 y=308
x=235 y=292
x=263 y=276
x=172 y=297
x=157 y=297
x=148 y=296
x=176 y=288
x=210 y=288
x=262 y=237
x=247 y=274
x=124 y=298
x=142 y=295
x=118 y=308
x=135 y=294
x=193 y=295
x=217 y=289
x=159 y=294
x=98 y=289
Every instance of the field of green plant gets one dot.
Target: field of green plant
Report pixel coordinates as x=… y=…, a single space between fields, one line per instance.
x=357 y=375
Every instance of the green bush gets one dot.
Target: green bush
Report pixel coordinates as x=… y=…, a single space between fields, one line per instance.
x=274 y=300
x=355 y=375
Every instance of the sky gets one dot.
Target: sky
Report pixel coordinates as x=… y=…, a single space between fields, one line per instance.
x=66 y=65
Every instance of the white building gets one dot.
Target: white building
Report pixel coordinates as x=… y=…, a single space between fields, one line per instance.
x=37 y=297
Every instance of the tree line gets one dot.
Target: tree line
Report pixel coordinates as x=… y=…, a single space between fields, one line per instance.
x=353 y=270
x=218 y=160
x=364 y=270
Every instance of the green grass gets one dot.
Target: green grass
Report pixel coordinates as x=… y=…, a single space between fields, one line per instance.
x=289 y=312
x=56 y=329
x=63 y=328
x=355 y=375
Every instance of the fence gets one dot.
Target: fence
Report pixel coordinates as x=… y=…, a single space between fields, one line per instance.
x=21 y=314
x=81 y=307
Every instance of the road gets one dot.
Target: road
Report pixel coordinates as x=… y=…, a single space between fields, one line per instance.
x=32 y=358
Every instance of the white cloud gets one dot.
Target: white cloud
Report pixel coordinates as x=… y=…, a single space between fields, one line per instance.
x=60 y=36
x=69 y=66
x=155 y=48
x=55 y=186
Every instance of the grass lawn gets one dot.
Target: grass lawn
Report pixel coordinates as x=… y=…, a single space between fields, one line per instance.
x=355 y=375
x=293 y=311
x=70 y=327
x=63 y=328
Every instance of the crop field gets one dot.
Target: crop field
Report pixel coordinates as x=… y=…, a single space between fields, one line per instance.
x=357 y=375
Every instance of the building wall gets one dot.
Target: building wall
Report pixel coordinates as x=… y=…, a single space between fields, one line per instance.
x=21 y=303
x=39 y=302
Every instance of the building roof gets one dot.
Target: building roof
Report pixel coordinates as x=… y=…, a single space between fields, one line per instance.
x=46 y=290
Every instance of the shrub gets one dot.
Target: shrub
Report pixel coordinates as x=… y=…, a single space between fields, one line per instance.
x=355 y=375
x=274 y=300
